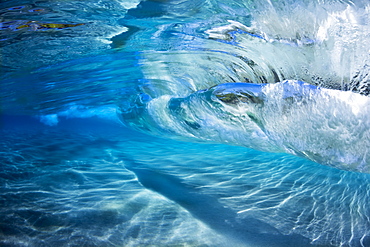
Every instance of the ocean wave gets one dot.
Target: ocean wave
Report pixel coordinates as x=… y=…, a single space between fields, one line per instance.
x=165 y=61
x=327 y=126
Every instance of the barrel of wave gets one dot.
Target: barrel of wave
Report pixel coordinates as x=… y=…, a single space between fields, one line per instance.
x=330 y=127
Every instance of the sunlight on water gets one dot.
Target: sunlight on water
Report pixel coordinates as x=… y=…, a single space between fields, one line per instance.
x=288 y=78
x=96 y=183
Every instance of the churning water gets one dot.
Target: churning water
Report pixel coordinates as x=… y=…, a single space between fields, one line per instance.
x=185 y=123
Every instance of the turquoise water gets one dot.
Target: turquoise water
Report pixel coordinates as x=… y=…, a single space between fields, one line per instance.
x=184 y=123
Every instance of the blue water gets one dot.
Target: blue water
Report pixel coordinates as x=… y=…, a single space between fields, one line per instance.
x=185 y=123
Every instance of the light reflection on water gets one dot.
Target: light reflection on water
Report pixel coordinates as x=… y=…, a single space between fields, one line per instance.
x=88 y=182
x=93 y=183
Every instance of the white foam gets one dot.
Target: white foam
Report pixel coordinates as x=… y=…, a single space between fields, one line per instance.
x=79 y=111
x=51 y=119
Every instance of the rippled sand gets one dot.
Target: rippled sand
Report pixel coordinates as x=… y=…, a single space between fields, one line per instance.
x=93 y=183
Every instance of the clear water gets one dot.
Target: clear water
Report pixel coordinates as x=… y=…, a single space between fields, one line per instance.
x=185 y=123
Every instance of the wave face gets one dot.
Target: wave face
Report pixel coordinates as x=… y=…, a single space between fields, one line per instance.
x=327 y=126
x=322 y=43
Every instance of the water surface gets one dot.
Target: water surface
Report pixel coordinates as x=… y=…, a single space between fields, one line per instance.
x=184 y=123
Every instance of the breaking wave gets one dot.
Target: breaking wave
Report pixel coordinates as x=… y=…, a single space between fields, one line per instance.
x=240 y=81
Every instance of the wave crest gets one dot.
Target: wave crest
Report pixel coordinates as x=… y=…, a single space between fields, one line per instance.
x=327 y=126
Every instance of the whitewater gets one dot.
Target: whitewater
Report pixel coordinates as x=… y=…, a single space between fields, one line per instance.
x=185 y=123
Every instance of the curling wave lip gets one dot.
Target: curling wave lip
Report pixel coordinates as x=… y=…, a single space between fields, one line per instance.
x=294 y=117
